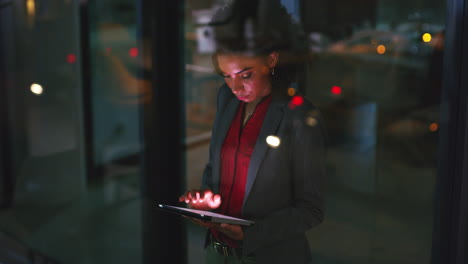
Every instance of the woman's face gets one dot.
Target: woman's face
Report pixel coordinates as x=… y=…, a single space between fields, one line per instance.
x=248 y=77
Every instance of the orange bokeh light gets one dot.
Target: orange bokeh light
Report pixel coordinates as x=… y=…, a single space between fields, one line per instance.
x=381 y=49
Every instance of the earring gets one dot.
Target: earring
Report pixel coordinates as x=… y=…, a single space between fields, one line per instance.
x=272 y=70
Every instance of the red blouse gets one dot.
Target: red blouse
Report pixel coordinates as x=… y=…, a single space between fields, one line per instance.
x=235 y=158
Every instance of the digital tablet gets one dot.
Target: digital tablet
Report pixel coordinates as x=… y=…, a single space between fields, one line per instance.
x=205 y=215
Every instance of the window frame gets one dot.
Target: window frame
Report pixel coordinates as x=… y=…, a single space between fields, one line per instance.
x=451 y=196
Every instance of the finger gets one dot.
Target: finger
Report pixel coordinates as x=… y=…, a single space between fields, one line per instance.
x=233 y=231
x=226 y=228
x=214 y=202
x=202 y=197
x=207 y=195
x=207 y=224
x=217 y=199
x=207 y=198
x=197 y=222
x=183 y=197
x=197 y=195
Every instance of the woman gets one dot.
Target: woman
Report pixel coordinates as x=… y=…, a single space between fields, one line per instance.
x=278 y=184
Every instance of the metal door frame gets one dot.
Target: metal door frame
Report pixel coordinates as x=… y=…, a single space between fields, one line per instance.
x=161 y=35
x=451 y=199
x=6 y=177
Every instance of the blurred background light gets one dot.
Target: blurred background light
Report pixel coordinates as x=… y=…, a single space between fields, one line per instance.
x=433 y=127
x=381 y=49
x=36 y=89
x=71 y=58
x=336 y=90
x=291 y=91
x=273 y=141
x=297 y=100
x=133 y=52
x=31 y=7
x=311 y=121
x=426 y=37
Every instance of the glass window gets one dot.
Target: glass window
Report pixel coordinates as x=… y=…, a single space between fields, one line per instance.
x=376 y=77
x=201 y=85
x=58 y=212
x=374 y=73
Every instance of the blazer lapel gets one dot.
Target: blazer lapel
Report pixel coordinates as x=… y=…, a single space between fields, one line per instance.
x=224 y=124
x=270 y=126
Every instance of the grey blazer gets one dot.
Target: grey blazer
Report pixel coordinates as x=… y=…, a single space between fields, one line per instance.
x=284 y=193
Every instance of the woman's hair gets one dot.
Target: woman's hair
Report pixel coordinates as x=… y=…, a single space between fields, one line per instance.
x=257 y=28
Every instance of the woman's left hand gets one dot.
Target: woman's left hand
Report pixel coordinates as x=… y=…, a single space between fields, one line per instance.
x=233 y=231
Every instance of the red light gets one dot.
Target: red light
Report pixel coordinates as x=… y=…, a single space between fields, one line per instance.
x=133 y=52
x=336 y=90
x=71 y=58
x=297 y=100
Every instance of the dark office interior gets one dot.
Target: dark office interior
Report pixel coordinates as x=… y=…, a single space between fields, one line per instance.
x=106 y=110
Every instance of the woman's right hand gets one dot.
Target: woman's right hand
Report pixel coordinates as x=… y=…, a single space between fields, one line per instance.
x=201 y=200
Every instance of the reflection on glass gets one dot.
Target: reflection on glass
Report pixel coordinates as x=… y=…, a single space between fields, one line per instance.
x=36 y=88
x=426 y=37
x=58 y=213
x=31 y=7
x=377 y=79
x=381 y=49
x=273 y=141
x=291 y=91
x=384 y=61
x=71 y=58
x=233 y=67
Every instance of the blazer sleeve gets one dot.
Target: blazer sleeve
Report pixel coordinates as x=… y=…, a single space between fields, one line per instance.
x=207 y=179
x=307 y=168
x=221 y=101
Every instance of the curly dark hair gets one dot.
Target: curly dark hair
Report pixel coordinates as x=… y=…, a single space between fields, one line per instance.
x=257 y=28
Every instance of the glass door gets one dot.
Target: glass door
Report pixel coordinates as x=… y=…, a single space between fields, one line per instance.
x=109 y=106
x=377 y=77
x=56 y=212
